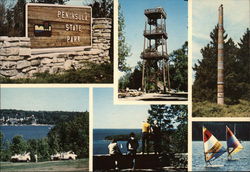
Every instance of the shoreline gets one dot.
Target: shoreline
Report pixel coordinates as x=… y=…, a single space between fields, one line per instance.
x=36 y=125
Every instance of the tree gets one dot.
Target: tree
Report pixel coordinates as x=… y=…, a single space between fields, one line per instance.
x=124 y=81
x=72 y=135
x=243 y=66
x=32 y=148
x=123 y=48
x=1 y=145
x=205 y=84
x=18 y=145
x=43 y=149
x=49 y=1
x=178 y=68
x=101 y=8
x=173 y=122
x=236 y=70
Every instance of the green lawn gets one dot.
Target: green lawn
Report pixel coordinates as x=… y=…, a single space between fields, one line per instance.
x=66 y=165
x=208 y=109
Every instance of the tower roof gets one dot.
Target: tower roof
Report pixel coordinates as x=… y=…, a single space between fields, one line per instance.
x=155 y=13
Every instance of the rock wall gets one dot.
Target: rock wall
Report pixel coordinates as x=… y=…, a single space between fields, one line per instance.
x=16 y=60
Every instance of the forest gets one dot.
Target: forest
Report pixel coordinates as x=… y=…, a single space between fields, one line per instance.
x=42 y=117
x=70 y=134
x=236 y=77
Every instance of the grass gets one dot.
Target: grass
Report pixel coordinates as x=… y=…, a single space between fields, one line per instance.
x=93 y=73
x=208 y=109
x=67 y=165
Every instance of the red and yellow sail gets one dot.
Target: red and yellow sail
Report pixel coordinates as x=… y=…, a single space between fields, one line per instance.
x=233 y=144
x=212 y=147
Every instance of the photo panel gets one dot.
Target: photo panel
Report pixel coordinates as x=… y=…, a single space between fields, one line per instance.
x=138 y=137
x=152 y=51
x=220 y=145
x=56 y=41
x=46 y=127
x=220 y=58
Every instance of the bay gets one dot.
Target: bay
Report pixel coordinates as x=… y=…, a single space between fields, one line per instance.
x=27 y=131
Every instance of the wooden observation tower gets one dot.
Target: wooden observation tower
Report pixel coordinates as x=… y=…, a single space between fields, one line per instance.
x=154 y=53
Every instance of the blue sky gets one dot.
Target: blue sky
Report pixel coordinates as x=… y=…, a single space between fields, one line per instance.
x=50 y=99
x=108 y=115
x=133 y=11
x=205 y=17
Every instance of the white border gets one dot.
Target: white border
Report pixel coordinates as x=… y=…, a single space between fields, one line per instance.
x=59 y=49
x=190 y=85
x=91 y=114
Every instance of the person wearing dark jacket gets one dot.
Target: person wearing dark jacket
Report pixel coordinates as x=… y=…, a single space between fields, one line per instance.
x=156 y=134
x=132 y=144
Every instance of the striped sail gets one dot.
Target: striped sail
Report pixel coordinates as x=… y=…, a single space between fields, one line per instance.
x=212 y=147
x=233 y=144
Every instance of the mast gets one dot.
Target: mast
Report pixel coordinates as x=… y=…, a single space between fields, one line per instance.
x=203 y=128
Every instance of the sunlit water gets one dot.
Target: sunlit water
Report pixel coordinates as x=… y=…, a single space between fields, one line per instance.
x=241 y=162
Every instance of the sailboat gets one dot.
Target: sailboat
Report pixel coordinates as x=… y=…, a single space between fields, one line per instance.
x=213 y=149
x=233 y=144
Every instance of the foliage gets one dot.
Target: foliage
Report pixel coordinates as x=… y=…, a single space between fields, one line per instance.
x=132 y=79
x=209 y=109
x=101 y=8
x=236 y=70
x=178 y=68
x=43 y=117
x=71 y=135
x=175 y=140
x=43 y=149
x=94 y=73
x=18 y=145
x=123 y=48
x=49 y=1
x=173 y=123
x=12 y=17
x=1 y=144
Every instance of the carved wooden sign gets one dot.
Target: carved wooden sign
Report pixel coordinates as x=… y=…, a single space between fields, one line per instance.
x=53 y=26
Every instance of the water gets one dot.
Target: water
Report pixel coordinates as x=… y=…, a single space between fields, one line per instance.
x=101 y=146
x=28 y=132
x=242 y=162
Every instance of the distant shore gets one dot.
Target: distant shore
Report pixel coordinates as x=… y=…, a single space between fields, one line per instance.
x=28 y=125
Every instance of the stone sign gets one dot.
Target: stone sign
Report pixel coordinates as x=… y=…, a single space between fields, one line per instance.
x=55 y=26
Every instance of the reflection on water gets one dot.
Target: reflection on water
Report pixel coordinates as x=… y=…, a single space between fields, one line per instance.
x=241 y=163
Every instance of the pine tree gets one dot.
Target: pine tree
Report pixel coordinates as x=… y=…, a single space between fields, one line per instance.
x=123 y=48
x=205 y=84
x=243 y=66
